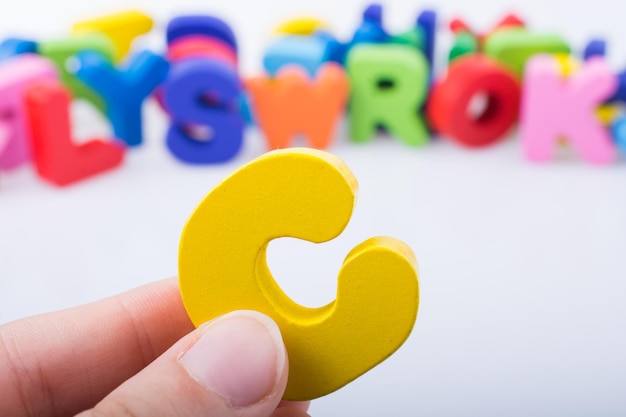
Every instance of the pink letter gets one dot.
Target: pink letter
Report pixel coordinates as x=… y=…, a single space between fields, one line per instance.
x=554 y=107
x=15 y=75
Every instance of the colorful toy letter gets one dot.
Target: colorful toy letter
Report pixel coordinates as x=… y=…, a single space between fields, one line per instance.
x=468 y=41
x=62 y=50
x=373 y=13
x=292 y=103
x=509 y=21
x=56 y=157
x=465 y=43
x=4 y=140
x=610 y=112
x=467 y=79
x=513 y=47
x=121 y=28
x=369 y=31
x=305 y=194
x=16 y=74
x=123 y=90
x=197 y=46
x=16 y=46
x=595 y=47
x=413 y=37
x=309 y=52
x=389 y=85
x=208 y=26
x=427 y=22
x=202 y=96
x=618 y=129
x=303 y=26
x=553 y=109
x=620 y=93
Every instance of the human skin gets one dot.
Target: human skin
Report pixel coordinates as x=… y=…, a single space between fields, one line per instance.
x=138 y=354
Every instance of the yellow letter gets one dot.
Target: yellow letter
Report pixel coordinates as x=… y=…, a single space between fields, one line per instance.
x=121 y=28
x=306 y=194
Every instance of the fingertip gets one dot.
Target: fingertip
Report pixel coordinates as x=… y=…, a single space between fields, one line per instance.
x=239 y=356
x=235 y=365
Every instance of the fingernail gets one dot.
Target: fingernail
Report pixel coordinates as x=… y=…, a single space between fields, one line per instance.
x=240 y=356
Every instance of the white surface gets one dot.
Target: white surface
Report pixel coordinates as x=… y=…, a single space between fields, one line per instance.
x=521 y=266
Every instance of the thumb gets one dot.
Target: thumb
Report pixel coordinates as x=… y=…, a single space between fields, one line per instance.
x=235 y=365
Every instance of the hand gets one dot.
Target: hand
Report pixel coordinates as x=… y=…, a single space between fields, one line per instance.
x=137 y=354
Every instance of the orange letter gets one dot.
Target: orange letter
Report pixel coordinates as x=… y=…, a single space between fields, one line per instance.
x=293 y=104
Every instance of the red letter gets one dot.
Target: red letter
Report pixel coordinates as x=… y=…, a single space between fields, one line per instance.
x=469 y=78
x=57 y=158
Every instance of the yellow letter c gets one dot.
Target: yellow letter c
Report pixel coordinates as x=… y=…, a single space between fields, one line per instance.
x=306 y=194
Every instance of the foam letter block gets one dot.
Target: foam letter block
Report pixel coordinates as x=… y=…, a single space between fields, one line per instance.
x=292 y=104
x=458 y=25
x=568 y=64
x=373 y=13
x=309 y=52
x=553 y=109
x=16 y=46
x=209 y=26
x=389 y=85
x=303 y=26
x=121 y=28
x=510 y=21
x=606 y=113
x=196 y=46
x=203 y=96
x=57 y=158
x=427 y=22
x=609 y=113
x=513 y=47
x=369 y=31
x=465 y=43
x=310 y=195
x=413 y=37
x=595 y=47
x=618 y=129
x=4 y=140
x=16 y=74
x=469 y=78
x=62 y=50
x=245 y=109
x=123 y=90
x=620 y=93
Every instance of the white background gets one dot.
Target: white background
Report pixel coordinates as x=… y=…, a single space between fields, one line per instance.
x=522 y=266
